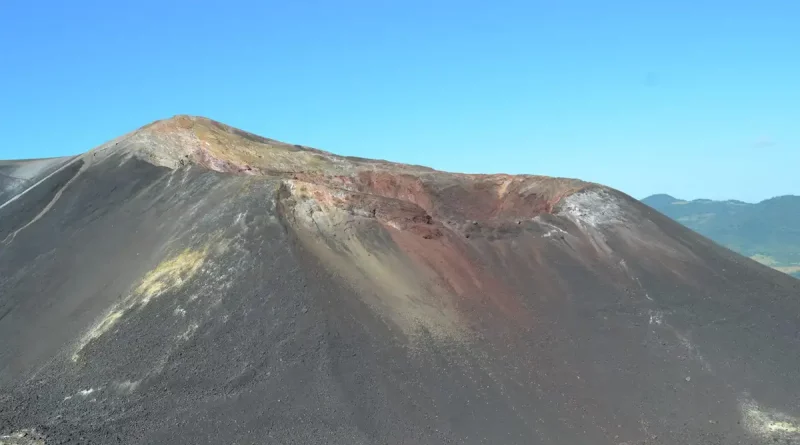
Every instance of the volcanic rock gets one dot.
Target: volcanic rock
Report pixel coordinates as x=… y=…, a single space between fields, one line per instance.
x=193 y=283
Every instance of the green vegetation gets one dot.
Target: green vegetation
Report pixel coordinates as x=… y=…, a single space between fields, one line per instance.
x=768 y=232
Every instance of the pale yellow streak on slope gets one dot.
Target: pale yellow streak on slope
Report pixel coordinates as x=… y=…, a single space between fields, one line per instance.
x=169 y=274
x=769 y=423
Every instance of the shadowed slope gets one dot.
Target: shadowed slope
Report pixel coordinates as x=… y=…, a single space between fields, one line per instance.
x=194 y=283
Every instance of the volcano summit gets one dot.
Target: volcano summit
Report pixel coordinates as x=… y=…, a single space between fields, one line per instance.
x=193 y=283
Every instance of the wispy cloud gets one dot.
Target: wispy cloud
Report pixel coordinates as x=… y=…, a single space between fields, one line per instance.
x=764 y=142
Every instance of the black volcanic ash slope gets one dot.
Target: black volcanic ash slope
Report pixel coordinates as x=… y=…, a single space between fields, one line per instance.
x=169 y=287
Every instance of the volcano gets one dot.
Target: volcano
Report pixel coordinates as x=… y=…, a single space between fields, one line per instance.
x=193 y=283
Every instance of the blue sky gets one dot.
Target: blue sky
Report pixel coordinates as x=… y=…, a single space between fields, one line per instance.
x=692 y=98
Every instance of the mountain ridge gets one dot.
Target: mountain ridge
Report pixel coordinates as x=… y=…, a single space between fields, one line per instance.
x=665 y=197
x=765 y=231
x=207 y=143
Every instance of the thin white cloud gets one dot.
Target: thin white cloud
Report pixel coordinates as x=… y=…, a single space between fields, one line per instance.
x=764 y=142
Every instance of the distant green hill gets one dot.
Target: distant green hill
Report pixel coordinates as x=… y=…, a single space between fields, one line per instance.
x=768 y=231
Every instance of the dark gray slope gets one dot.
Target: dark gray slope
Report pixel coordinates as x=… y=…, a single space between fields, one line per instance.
x=16 y=176
x=262 y=344
x=280 y=354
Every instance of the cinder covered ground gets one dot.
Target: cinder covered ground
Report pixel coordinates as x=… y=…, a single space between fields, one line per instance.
x=193 y=283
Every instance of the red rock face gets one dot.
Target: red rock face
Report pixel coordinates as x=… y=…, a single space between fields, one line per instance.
x=433 y=220
x=403 y=187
